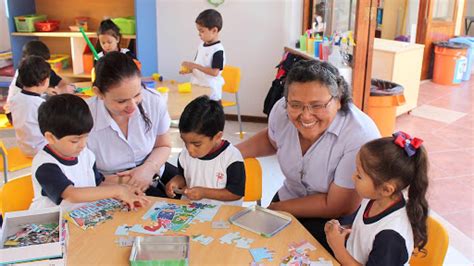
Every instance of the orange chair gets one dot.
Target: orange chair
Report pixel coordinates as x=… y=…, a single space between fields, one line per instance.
x=12 y=160
x=436 y=247
x=253 y=180
x=231 y=77
x=16 y=194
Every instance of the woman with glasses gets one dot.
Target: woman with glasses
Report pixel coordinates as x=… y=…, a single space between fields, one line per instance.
x=130 y=135
x=316 y=131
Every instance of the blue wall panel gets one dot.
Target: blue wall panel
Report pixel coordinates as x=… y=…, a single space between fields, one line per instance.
x=147 y=49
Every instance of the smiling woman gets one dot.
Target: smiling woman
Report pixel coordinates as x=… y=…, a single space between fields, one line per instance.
x=130 y=134
x=316 y=132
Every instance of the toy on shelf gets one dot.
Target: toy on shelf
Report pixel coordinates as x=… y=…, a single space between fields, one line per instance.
x=80 y=22
x=157 y=77
x=47 y=25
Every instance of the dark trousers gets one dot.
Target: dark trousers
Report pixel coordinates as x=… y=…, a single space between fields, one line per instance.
x=159 y=190
x=316 y=226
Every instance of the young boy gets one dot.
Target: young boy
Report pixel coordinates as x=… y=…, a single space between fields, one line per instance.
x=64 y=172
x=57 y=85
x=34 y=74
x=209 y=167
x=210 y=59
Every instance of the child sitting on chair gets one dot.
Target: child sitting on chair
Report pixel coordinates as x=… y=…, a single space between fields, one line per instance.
x=210 y=167
x=34 y=73
x=64 y=172
x=209 y=62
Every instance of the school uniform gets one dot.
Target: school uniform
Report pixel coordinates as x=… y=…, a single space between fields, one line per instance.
x=384 y=239
x=122 y=50
x=24 y=108
x=52 y=174
x=213 y=56
x=114 y=152
x=223 y=168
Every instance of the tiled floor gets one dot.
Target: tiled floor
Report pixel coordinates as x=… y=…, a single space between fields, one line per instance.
x=451 y=151
x=450 y=145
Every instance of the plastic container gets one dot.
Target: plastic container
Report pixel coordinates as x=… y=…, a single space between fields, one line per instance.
x=470 y=54
x=47 y=25
x=82 y=22
x=26 y=23
x=383 y=101
x=450 y=63
x=59 y=62
x=125 y=24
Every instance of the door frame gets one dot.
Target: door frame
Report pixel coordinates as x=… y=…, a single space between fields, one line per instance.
x=365 y=25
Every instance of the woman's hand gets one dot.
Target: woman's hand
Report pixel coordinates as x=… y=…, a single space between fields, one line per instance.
x=140 y=176
x=195 y=193
x=335 y=234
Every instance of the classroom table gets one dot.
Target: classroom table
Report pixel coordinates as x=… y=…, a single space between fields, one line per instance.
x=176 y=100
x=98 y=245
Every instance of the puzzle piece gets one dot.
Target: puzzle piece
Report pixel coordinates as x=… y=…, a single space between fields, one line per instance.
x=259 y=254
x=243 y=242
x=125 y=241
x=230 y=237
x=205 y=240
x=321 y=262
x=220 y=225
x=123 y=230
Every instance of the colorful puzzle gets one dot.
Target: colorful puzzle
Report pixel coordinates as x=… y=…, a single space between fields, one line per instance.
x=299 y=255
x=259 y=254
x=94 y=213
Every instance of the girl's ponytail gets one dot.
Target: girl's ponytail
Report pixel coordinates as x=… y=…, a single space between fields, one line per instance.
x=417 y=205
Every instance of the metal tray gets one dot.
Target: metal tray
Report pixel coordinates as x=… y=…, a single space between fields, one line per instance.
x=160 y=250
x=260 y=220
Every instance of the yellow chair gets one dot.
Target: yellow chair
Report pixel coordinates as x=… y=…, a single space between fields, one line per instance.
x=12 y=160
x=16 y=194
x=253 y=180
x=436 y=247
x=4 y=123
x=231 y=75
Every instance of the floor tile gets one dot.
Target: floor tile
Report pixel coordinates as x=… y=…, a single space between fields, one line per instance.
x=436 y=113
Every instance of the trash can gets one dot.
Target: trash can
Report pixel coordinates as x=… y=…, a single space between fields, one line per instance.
x=470 y=54
x=385 y=97
x=450 y=63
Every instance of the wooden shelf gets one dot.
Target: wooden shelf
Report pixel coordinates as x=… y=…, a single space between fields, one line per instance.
x=67 y=73
x=64 y=34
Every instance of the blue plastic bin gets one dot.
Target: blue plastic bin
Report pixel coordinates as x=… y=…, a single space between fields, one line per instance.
x=470 y=54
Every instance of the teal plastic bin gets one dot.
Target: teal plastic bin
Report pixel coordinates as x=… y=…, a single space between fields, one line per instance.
x=470 y=54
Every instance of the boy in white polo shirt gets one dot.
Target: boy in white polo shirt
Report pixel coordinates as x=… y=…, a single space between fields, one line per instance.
x=34 y=74
x=210 y=168
x=210 y=58
x=64 y=171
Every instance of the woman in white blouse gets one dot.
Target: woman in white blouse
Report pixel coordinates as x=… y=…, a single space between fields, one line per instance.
x=130 y=135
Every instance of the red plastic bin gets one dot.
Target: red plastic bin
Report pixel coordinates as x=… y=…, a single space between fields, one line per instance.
x=47 y=25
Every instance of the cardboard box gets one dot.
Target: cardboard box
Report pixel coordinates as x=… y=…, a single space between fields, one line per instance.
x=47 y=254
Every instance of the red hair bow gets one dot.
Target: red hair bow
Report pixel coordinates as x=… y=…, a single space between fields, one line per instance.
x=409 y=144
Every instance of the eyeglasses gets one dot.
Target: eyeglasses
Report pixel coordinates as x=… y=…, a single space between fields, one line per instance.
x=298 y=107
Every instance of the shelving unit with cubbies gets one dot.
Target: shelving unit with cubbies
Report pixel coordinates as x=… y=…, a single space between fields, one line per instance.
x=64 y=41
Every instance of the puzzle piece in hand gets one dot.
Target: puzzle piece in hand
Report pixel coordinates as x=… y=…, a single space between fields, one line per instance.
x=123 y=230
x=205 y=240
x=259 y=254
x=230 y=237
x=125 y=241
x=220 y=225
x=243 y=242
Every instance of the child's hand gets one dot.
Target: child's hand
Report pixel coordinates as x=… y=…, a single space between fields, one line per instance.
x=132 y=196
x=184 y=70
x=189 y=66
x=171 y=186
x=195 y=193
x=335 y=234
x=52 y=91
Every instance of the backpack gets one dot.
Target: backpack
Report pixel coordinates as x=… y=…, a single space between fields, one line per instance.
x=276 y=90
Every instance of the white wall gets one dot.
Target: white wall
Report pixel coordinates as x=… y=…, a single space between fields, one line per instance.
x=470 y=12
x=254 y=33
x=4 y=33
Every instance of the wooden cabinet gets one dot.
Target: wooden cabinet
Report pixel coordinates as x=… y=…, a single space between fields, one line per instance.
x=399 y=62
x=72 y=43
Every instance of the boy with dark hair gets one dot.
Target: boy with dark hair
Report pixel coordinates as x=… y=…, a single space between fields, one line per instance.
x=57 y=85
x=210 y=58
x=64 y=171
x=210 y=167
x=34 y=74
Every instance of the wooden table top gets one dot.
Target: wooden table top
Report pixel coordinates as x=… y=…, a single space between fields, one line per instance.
x=176 y=100
x=98 y=245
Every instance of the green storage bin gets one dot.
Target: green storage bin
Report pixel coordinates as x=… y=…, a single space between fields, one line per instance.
x=125 y=24
x=26 y=23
